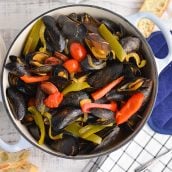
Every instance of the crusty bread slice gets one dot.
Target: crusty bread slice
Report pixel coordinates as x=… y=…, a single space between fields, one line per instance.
x=27 y=167
x=16 y=162
x=156 y=7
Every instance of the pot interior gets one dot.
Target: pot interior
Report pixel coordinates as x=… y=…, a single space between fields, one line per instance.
x=150 y=72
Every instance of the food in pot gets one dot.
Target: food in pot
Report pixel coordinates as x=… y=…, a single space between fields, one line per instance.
x=78 y=82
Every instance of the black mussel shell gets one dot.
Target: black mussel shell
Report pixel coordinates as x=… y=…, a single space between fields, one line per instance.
x=108 y=139
x=114 y=95
x=59 y=82
x=85 y=147
x=17 y=68
x=76 y=31
x=34 y=131
x=54 y=39
x=90 y=63
x=41 y=69
x=106 y=75
x=115 y=28
x=74 y=98
x=130 y=44
x=65 y=116
x=60 y=71
x=40 y=96
x=17 y=102
x=27 y=89
x=68 y=145
x=102 y=113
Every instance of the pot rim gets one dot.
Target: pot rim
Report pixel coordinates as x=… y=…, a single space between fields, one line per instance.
x=119 y=145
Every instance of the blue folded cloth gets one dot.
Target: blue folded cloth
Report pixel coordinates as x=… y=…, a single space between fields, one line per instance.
x=161 y=117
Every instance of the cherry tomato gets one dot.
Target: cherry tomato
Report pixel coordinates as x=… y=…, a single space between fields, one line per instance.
x=72 y=65
x=77 y=51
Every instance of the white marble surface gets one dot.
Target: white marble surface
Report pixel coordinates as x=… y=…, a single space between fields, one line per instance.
x=14 y=15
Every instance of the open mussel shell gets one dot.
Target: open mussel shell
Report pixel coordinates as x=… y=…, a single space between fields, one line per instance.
x=26 y=89
x=74 y=98
x=65 y=116
x=60 y=71
x=35 y=58
x=60 y=82
x=68 y=145
x=91 y=63
x=53 y=36
x=17 y=103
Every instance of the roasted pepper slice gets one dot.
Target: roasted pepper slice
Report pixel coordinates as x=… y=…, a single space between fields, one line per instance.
x=130 y=108
x=33 y=38
x=77 y=85
x=88 y=130
x=114 y=43
x=33 y=79
x=87 y=106
x=103 y=91
x=74 y=129
x=39 y=122
x=42 y=38
x=140 y=63
x=59 y=136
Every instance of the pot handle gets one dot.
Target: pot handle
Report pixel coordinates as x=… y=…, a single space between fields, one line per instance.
x=161 y=63
x=20 y=145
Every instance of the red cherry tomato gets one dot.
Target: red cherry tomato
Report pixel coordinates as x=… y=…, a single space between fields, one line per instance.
x=72 y=65
x=78 y=51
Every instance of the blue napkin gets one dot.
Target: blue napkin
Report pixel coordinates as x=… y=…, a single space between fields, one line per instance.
x=161 y=117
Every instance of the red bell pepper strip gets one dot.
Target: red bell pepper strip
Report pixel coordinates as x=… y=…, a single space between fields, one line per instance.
x=103 y=91
x=87 y=106
x=53 y=100
x=53 y=61
x=48 y=88
x=33 y=79
x=130 y=108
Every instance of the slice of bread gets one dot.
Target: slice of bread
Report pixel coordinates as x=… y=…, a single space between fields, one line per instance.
x=27 y=167
x=156 y=7
x=16 y=162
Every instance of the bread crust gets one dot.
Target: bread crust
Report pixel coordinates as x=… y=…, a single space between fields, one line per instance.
x=157 y=7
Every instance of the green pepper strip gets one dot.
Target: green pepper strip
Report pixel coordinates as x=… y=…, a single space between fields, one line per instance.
x=74 y=129
x=39 y=122
x=59 y=136
x=114 y=43
x=33 y=38
x=42 y=38
x=140 y=63
x=75 y=86
x=91 y=129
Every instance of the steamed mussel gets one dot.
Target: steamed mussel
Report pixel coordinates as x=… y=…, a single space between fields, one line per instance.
x=79 y=85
